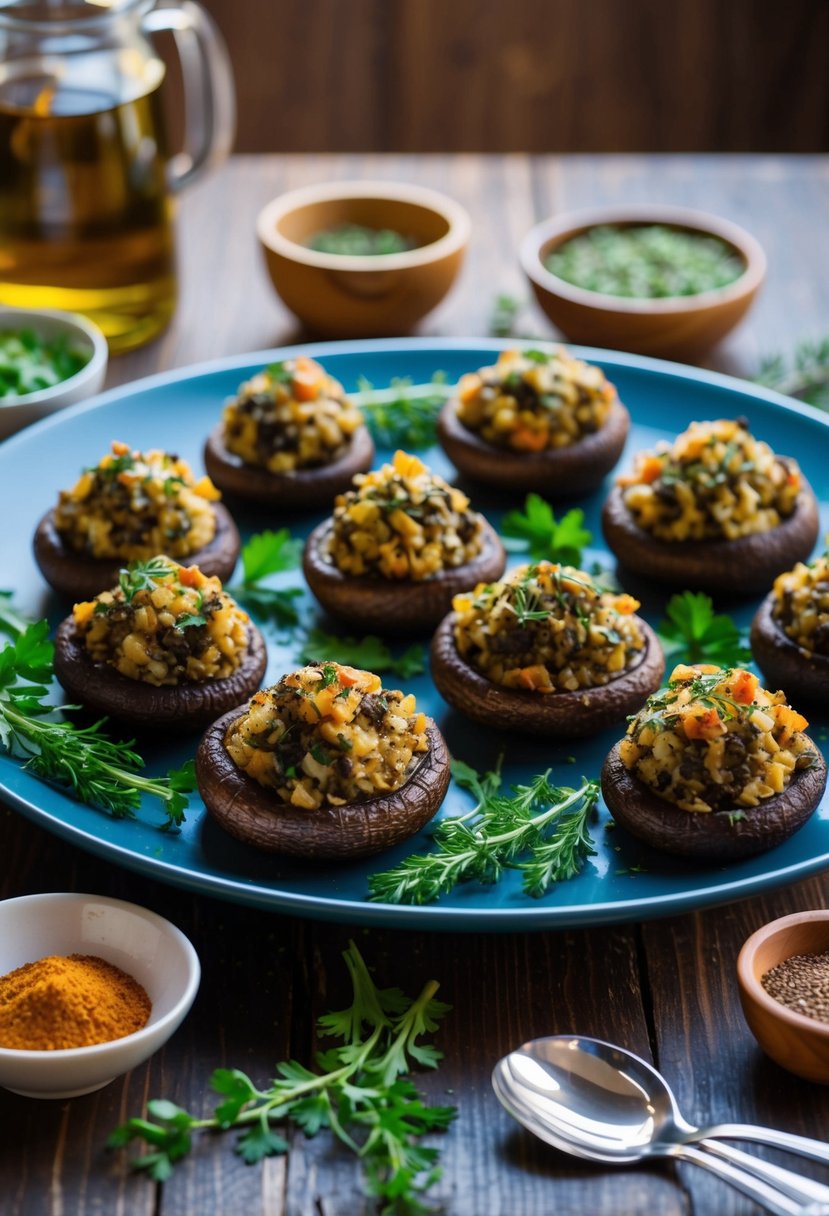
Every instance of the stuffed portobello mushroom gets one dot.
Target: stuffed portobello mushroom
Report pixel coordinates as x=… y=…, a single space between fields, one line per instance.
x=129 y=507
x=545 y=651
x=398 y=546
x=166 y=649
x=289 y=438
x=324 y=764
x=536 y=420
x=790 y=631
x=716 y=510
x=714 y=767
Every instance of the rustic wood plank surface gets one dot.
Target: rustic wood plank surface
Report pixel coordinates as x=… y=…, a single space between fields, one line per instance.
x=666 y=989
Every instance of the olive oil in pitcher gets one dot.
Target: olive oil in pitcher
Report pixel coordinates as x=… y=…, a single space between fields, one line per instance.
x=85 y=212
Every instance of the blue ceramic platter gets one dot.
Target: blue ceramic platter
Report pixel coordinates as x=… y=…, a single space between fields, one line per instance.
x=623 y=881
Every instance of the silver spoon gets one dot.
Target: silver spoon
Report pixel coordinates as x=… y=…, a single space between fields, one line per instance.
x=597 y=1101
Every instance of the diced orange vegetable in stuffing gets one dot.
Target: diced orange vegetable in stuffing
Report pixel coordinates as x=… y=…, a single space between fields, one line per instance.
x=626 y=604
x=536 y=677
x=190 y=576
x=83 y=611
x=789 y=720
x=742 y=687
x=703 y=724
x=649 y=469
x=528 y=441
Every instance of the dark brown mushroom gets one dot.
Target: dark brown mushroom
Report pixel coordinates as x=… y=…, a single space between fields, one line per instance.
x=394 y=606
x=81 y=578
x=557 y=715
x=179 y=708
x=744 y=566
x=256 y=815
x=802 y=675
x=565 y=472
x=716 y=836
x=300 y=489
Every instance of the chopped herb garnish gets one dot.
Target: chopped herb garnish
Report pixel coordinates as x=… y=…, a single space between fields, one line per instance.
x=403 y=415
x=30 y=362
x=265 y=554
x=693 y=632
x=368 y=653
x=544 y=536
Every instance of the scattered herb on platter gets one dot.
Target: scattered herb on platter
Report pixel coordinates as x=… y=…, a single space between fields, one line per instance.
x=11 y=622
x=805 y=376
x=544 y=536
x=539 y=829
x=403 y=415
x=80 y=760
x=29 y=362
x=268 y=553
x=695 y=633
x=369 y=653
x=361 y=1093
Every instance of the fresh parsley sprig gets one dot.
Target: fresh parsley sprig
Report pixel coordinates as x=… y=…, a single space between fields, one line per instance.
x=267 y=553
x=81 y=760
x=694 y=632
x=369 y=653
x=11 y=622
x=537 y=531
x=539 y=829
x=805 y=376
x=361 y=1093
x=403 y=415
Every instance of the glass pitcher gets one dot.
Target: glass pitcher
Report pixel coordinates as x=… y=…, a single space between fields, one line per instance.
x=85 y=182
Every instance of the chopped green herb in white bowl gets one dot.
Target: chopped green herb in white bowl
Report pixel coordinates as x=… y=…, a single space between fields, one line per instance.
x=48 y=360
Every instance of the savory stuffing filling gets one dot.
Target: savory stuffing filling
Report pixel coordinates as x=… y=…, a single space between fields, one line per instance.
x=534 y=400
x=164 y=624
x=402 y=522
x=715 y=482
x=328 y=735
x=133 y=505
x=715 y=740
x=292 y=415
x=801 y=605
x=547 y=628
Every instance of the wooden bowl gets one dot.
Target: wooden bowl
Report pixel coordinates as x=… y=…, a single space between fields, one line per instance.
x=301 y=489
x=344 y=296
x=551 y=715
x=796 y=1042
x=678 y=327
x=744 y=566
x=81 y=578
x=568 y=472
x=257 y=816
x=396 y=606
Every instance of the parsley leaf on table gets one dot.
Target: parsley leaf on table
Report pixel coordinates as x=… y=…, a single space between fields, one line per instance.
x=369 y=653
x=544 y=536
x=360 y=1092
x=693 y=632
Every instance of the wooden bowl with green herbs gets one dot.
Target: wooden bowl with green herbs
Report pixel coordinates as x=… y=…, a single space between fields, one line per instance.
x=361 y=259
x=653 y=280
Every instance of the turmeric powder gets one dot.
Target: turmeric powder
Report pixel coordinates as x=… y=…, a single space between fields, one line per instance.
x=60 y=1002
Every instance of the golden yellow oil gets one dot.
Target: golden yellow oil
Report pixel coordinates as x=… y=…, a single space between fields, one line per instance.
x=85 y=213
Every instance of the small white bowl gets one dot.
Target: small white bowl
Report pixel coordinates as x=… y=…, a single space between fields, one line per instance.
x=17 y=412
x=148 y=947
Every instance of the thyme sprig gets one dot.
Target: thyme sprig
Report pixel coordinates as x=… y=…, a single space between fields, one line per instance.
x=540 y=829
x=361 y=1094
x=403 y=415
x=80 y=760
x=805 y=376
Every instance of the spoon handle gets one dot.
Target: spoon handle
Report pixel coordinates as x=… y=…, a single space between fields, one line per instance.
x=815 y=1150
x=804 y=1190
x=766 y=1196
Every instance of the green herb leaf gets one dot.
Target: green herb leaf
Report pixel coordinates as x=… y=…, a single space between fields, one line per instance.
x=11 y=622
x=269 y=552
x=360 y=1091
x=544 y=536
x=403 y=415
x=693 y=632
x=368 y=653
x=805 y=376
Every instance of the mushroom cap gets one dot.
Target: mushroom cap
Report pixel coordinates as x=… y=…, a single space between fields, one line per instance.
x=395 y=606
x=566 y=472
x=556 y=715
x=81 y=578
x=744 y=566
x=801 y=676
x=297 y=490
x=716 y=836
x=180 y=708
x=255 y=814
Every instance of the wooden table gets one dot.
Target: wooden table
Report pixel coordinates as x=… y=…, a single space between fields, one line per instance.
x=665 y=988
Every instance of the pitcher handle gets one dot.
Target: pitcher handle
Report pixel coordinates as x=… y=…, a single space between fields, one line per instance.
x=209 y=98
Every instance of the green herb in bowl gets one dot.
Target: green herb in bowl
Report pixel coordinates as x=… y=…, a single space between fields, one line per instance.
x=645 y=261
x=29 y=362
x=356 y=240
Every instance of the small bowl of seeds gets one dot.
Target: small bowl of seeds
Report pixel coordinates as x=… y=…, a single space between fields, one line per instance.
x=783 y=973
